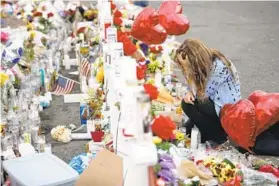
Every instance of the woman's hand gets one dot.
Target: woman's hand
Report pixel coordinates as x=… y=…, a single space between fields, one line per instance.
x=189 y=98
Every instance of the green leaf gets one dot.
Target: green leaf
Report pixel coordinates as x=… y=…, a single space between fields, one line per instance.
x=157 y=168
x=229 y=163
x=164 y=146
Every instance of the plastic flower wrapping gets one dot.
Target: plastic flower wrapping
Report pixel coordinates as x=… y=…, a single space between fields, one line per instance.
x=80 y=162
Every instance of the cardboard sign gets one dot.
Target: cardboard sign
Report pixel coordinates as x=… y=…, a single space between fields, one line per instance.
x=105 y=170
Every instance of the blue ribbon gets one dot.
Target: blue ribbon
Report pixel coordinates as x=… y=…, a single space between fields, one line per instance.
x=42 y=71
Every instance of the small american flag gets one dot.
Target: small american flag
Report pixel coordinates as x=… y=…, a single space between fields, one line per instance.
x=63 y=86
x=85 y=67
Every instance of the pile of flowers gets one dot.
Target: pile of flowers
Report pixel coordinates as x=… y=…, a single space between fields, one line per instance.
x=61 y=133
x=224 y=170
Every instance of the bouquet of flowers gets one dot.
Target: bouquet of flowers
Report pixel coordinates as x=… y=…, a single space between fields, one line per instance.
x=28 y=48
x=165 y=170
x=95 y=102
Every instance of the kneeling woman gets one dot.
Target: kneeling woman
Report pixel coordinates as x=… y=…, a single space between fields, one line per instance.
x=212 y=82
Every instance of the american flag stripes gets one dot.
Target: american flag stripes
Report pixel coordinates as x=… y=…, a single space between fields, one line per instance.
x=63 y=86
x=84 y=67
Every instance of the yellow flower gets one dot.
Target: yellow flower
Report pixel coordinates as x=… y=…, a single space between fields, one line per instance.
x=179 y=110
x=138 y=45
x=179 y=136
x=32 y=35
x=100 y=75
x=157 y=140
x=30 y=26
x=84 y=50
x=3 y=78
x=124 y=14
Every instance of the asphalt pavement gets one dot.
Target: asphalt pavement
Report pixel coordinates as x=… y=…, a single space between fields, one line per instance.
x=246 y=32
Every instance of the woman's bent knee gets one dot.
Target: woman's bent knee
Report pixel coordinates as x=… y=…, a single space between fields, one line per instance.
x=186 y=107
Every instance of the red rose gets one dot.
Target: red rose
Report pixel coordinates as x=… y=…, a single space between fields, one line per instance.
x=141 y=59
x=117 y=21
x=140 y=73
x=151 y=90
x=163 y=127
x=117 y=13
x=37 y=14
x=50 y=15
x=113 y=6
x=128 y=45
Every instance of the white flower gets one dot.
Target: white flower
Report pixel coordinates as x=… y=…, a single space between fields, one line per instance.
x=41 y=26
x=187 y=182
x=45 y=15
x=61 y=133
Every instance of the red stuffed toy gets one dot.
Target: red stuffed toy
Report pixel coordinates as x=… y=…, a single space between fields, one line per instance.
x=248 y=118
x=172 y=19
x=147 y=28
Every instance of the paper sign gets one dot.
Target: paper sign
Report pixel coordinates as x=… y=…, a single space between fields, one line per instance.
x=105 y=170
x=111 y=35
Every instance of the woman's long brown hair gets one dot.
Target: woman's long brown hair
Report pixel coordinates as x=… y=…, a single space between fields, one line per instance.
x=196 y=60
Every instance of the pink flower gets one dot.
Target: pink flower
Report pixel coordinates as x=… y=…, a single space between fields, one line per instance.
x=4 y=37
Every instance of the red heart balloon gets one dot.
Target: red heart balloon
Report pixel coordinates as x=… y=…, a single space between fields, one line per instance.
x=239 y=122
x=172 y=19
x=267 y=109
x=147 y=29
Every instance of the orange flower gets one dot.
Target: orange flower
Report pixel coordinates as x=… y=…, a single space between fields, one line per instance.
x=37 y=14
